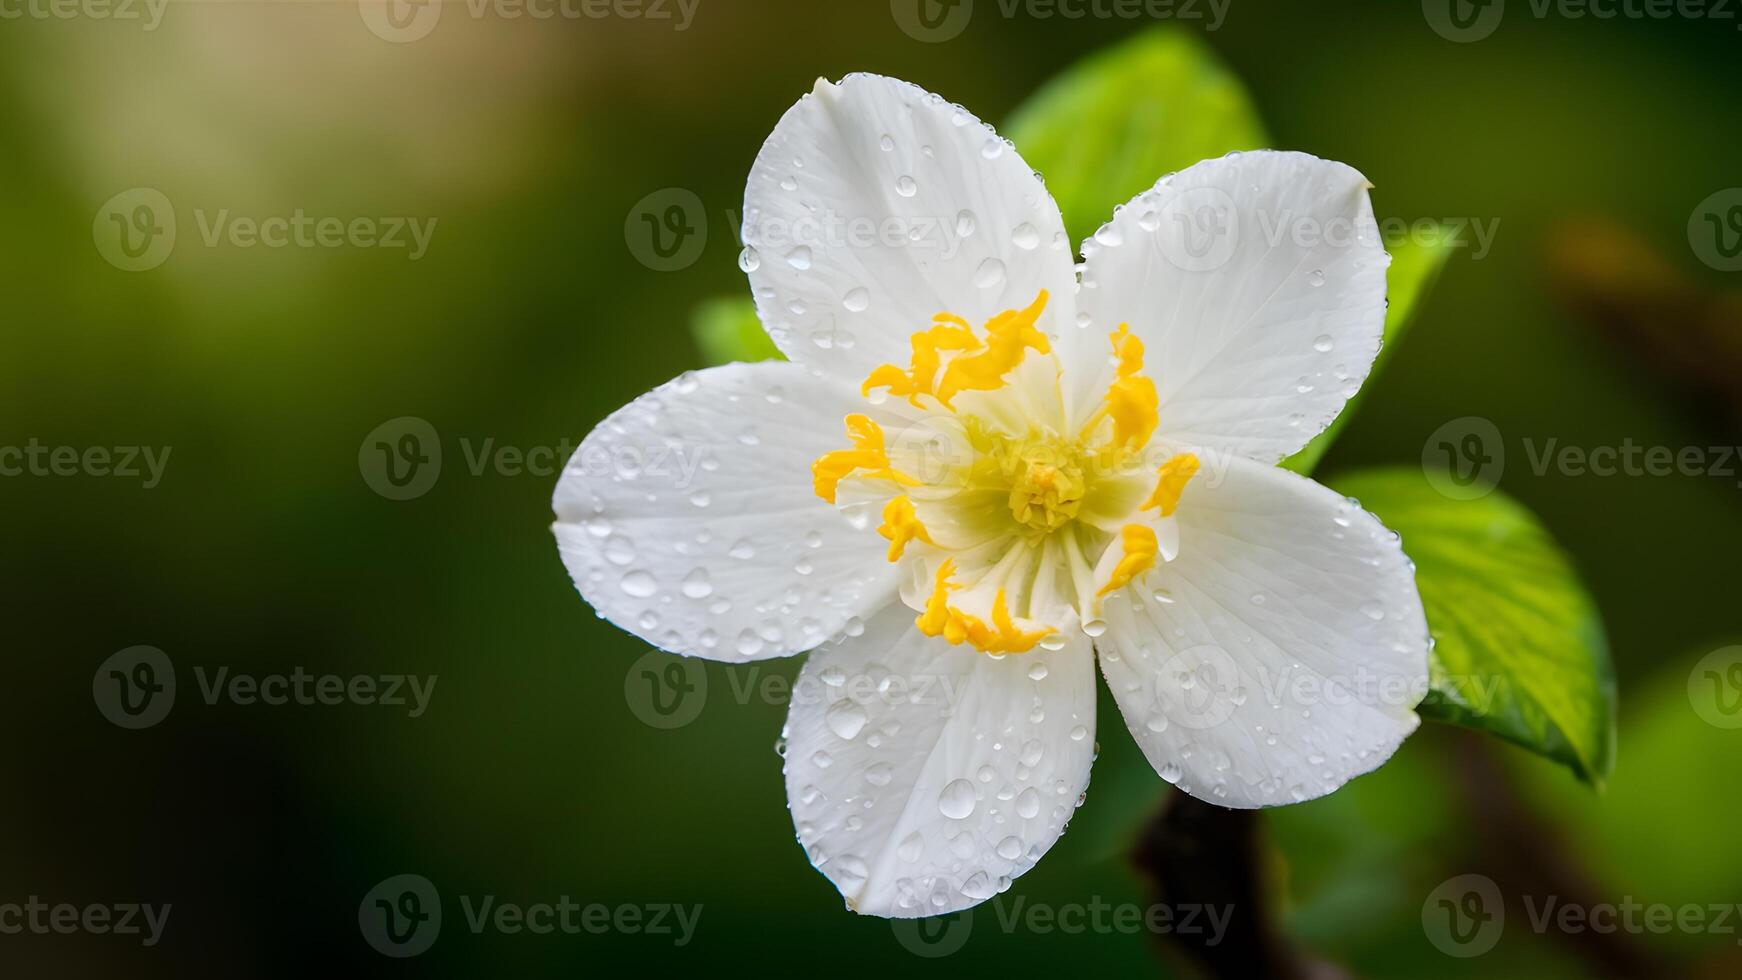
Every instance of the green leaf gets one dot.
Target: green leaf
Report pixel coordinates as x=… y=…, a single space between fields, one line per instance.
x=1116 y=122
x=728 y=329
x=1519 y=649
x=1415 y=265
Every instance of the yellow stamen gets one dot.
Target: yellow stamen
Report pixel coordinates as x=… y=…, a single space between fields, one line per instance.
x=1171 y=481
x=980 y=365
x=1139 y=557
x=867 y=453
x=901 y=525
x=955 y=626
x=1131 y=400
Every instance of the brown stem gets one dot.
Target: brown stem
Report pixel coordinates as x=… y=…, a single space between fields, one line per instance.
x=1197 y=854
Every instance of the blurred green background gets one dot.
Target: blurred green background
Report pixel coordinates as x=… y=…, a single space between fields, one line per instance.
x=530 y=317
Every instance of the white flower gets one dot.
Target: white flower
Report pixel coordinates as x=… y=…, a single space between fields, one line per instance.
x=982 y=467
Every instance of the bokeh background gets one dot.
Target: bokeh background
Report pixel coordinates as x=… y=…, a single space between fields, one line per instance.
x=531 y=775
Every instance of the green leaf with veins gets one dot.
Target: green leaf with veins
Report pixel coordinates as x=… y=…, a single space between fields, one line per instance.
x=1519 y=650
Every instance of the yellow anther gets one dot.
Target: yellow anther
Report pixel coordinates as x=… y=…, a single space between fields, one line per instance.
x=1131 y=400
x=1139 y=557
x=901 y=525
x=1171 y=480
x=867 y=453
x=1010 y=335
x=979 y=365
x=955 y=626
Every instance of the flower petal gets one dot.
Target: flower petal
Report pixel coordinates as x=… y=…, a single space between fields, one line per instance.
x=688 y=517
x=922 y=777
x=874 y=206
x=1257 y=284
x=1282 y=652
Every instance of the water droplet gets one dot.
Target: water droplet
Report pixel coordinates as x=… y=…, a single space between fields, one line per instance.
x=1010 y=848
x=639 y=584
x=965 y=223
x=857 y=299
x=697 y=584
x=1316 y=278
x=905 y=186
x=1037 y=672
x=887 y=143
x=799 y=258
x=1028 y=804
x=1095 y=627
x=1324 y=343
x=846 y=719
x=1025 y=237
x=749 y=260
x=990 y=274
x=957 y=799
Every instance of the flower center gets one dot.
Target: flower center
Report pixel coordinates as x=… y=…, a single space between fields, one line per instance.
x=1032 y=520
x=1045 y=476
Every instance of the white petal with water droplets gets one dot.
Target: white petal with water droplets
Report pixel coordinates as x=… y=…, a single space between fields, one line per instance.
x=875 y=206
x=1257 y=284
x=1292 y=653
x=688 y=517
x=949 y=771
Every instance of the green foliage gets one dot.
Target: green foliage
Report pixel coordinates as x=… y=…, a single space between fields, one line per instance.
x=1519 y=650
x=727 y=329
x=1116 y=122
